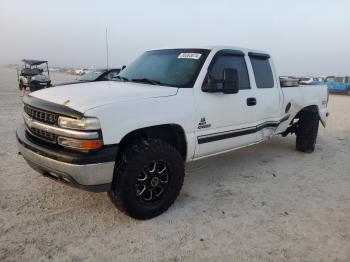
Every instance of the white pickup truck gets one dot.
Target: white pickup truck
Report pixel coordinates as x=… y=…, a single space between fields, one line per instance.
x=131 y=137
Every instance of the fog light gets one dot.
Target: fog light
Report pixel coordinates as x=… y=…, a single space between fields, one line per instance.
x=82 y=145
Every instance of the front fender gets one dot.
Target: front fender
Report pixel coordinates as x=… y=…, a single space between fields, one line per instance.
x=119 y=119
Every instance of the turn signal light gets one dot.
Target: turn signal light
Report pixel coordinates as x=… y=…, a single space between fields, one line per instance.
x=91 y=144
x=81 y=145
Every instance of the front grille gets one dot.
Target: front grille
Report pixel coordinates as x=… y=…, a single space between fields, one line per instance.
x=41 y=115
x=47 y=136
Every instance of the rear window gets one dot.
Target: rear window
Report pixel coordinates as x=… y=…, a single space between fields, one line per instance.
x=262 y=72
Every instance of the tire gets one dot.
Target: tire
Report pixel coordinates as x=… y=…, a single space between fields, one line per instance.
x=21 y=86
x=307 y=129
x=135 y=181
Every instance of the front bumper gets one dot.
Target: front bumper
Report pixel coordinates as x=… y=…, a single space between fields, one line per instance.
x=91 y=172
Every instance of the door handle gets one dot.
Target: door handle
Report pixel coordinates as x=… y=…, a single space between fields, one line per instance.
x=251 y=101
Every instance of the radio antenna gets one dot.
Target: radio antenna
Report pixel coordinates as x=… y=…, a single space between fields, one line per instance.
x=106 y=48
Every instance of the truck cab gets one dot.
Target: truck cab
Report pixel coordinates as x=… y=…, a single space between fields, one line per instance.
x=131 y=137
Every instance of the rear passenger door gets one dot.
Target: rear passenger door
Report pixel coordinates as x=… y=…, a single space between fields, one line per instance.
x=225 y=121
x=267 y=93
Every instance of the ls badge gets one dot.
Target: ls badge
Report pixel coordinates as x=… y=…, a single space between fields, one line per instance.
x=203 y=124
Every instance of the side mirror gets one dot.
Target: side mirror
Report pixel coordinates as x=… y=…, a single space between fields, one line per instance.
x=230 y=81
x=210 y=85
x=229 y=84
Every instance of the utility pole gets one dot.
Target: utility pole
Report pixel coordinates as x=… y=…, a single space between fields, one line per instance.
x=107 y=48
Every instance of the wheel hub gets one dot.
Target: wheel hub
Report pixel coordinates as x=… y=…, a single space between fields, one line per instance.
x=152 y=182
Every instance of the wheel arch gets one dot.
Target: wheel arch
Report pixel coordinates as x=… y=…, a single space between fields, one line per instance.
x=312 y=108
x=173 y=134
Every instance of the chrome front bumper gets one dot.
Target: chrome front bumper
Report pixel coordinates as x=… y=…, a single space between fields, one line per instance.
x=92 y=174
x=95 y=176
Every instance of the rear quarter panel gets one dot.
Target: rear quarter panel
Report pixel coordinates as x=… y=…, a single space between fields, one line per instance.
x=302 y=96
x=316 y=95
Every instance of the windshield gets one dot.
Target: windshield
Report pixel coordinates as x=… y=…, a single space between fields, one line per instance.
x=91 y=75
x=170 y=67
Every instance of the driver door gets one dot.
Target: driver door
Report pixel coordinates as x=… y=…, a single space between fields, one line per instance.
x=225 y=121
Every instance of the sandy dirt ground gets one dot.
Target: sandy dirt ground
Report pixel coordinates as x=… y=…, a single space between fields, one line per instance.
x=263 y=203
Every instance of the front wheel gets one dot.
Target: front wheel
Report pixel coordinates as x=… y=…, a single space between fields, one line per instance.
x=147 y=179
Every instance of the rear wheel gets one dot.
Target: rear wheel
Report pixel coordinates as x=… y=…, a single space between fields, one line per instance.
x=147 y=179
x=306 y=132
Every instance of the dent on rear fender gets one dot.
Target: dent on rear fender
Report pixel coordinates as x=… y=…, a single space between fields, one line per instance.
x=323 y=114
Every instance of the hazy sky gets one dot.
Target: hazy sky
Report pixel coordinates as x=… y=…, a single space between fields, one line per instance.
x=304 y=36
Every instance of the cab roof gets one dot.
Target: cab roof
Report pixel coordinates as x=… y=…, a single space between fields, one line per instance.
x=214 y=48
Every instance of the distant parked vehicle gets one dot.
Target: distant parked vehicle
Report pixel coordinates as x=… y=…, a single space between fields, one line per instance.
x=305 y=80
x=338 y=84
x=311 y=80
x=95 y=75
x=318 y=81
x=32 y=76
x=81 y=71
x=289 y=81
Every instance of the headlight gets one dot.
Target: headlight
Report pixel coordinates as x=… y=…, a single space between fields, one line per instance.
x=88 y=123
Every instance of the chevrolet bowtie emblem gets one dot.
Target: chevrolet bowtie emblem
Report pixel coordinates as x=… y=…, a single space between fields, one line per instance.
x=29 y=122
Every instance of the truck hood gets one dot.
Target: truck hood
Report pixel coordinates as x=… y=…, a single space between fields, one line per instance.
x=85 y=96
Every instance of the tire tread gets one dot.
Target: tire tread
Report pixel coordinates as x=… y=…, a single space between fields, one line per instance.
x=307 y=132
x=126 y=159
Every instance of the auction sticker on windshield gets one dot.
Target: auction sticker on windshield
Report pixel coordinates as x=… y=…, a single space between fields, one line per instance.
x=190 y=55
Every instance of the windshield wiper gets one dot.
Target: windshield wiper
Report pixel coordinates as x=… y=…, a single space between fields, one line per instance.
x=121 y=78
x=147 y=81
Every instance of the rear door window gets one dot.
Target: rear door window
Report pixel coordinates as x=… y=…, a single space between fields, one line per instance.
x=262 y=71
